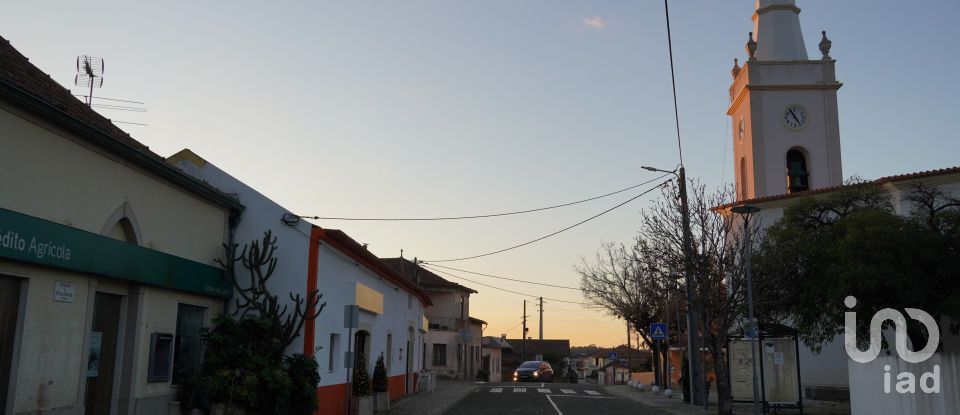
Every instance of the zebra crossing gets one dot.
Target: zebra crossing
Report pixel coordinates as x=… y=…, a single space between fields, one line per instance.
x=548 y=391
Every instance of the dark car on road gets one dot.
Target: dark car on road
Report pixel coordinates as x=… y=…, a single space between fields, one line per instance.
x=533 y=371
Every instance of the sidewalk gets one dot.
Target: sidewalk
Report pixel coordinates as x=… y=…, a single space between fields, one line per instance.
x=660 y=405
x=446 y=394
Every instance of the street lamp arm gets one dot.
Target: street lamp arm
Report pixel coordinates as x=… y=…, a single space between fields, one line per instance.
x=654 y=169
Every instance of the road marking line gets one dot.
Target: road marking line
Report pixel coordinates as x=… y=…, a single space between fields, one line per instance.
x=520 y=390
x=543 y=390
x=568 y=391
x=496 y=390
x=594 y=393
x=554 y=405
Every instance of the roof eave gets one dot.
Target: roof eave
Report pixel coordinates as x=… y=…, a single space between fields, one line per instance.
x=32 y=104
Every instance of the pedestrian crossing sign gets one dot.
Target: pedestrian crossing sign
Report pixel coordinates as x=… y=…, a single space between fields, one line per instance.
x=658 y=331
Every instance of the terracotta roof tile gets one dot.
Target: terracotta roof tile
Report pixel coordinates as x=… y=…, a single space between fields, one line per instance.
x=428 y=279
x=882 y=180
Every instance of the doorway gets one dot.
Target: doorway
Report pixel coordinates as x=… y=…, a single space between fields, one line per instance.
x=409 y=372
x=9 y=309
x=102 y=353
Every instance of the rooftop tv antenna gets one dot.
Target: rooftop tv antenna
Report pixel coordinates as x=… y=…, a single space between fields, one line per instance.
x=89 y=74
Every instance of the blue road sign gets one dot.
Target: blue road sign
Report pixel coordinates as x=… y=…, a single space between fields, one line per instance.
x=658 y=331
x=613 y=355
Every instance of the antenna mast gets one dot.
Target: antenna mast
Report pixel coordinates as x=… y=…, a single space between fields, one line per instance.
x=89 y=74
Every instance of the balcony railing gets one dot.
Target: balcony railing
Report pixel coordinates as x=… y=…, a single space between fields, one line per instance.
x=444 y=323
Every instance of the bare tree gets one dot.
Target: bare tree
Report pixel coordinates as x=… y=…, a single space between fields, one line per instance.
x=257 y=258
x=620 y=282
x=635 y=286
x=718 y=280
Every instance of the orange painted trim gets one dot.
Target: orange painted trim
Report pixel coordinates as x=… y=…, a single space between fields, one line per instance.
x=310 y=326
x=397 y=386
x=331 y=400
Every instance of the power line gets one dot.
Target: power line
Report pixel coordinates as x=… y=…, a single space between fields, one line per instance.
x=554 y=233
x=119 y=108
x=509 y=279
x=498 y=288
x=111 y=99
x=492 y=215
x=673 y=79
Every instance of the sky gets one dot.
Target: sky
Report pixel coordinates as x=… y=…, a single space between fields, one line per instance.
x=449 y=108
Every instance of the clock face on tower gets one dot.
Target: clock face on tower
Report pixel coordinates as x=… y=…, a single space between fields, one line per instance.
x=794 y=117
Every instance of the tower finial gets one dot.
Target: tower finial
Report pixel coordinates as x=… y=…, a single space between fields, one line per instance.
x=752 y=47
x=825 y=46
x=736 y=68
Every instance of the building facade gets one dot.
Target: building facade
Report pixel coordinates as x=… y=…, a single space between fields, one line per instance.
x=453 y=343
x=107 y=268
x=492 y=352
x=783 y=108
x=386 y=311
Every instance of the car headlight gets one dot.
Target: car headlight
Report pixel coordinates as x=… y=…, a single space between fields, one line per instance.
x=515 y=374
x=536 y=373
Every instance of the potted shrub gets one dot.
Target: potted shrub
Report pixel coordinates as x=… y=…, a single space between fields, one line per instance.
x=380 y=394
x=362 y=402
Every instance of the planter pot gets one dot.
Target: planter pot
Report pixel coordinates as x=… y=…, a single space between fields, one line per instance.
x=381 y=401
x=361 y=405
x=223 y=409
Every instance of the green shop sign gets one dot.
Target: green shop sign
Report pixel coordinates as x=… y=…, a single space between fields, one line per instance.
x=29 y=239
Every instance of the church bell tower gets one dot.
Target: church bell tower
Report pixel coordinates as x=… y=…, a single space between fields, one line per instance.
x=783 y=109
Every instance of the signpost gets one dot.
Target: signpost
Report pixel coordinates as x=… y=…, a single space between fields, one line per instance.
x=658 y=332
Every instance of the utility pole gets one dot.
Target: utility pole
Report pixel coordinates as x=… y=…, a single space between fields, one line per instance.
x=541 y=318
x=693 y=346
x=523 y=336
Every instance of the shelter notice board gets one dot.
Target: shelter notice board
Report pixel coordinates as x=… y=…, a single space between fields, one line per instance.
x=779 y=370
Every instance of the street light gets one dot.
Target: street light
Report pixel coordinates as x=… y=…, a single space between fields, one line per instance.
x=693 y=349
x=746 y=211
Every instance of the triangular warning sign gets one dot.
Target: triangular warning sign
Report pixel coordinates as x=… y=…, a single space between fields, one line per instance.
x=657 y=332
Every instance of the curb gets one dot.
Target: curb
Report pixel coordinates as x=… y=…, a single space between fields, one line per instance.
x=456 y=401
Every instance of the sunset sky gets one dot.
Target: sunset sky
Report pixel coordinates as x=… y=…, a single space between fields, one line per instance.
x=450 y=108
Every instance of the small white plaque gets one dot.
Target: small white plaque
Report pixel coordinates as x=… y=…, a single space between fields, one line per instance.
x=64 y=292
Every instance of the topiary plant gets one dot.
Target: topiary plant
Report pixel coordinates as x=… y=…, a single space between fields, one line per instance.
x=361 y=379
x=380 y=375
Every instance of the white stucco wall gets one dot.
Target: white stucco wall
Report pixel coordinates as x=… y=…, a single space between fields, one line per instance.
x=830 y=366
x=337 y=278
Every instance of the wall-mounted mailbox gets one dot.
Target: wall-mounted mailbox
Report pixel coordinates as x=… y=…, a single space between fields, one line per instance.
x=160 y=367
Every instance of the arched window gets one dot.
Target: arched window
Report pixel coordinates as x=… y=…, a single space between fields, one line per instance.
x=798 y=178
x=743 y=178
x=123 y=231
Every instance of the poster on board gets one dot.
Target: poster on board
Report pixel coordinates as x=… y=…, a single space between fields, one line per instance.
x=93 y=358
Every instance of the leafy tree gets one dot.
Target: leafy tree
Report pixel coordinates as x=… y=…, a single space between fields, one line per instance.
x=361 y=379
x=379 y=375
x=853 y=242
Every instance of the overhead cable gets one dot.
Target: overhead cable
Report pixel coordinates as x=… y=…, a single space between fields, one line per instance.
x=498 y=288
x=554 y=233
x=492 y=215
x=508 y=279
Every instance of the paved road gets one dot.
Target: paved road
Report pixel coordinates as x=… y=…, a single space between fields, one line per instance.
x=542 y=399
